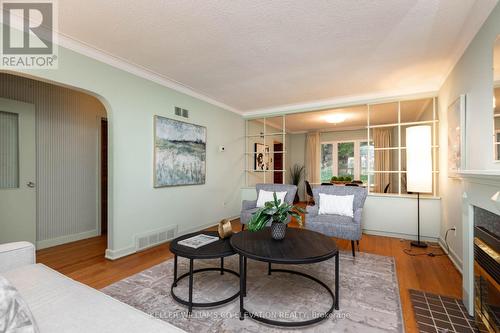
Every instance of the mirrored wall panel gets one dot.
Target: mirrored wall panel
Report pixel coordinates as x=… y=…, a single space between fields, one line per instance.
x=496 y=98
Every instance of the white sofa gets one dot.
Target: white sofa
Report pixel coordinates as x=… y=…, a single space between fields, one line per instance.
x=60 y=304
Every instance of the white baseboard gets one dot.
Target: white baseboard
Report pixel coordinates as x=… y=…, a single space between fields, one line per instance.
x=66 y=239
x=452 y=255
x=116 y=254
x=399 y=235
x=120 y=253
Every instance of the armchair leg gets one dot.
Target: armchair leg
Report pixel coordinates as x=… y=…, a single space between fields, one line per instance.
x=353 y=249
x=357 y=243
x=242 y=227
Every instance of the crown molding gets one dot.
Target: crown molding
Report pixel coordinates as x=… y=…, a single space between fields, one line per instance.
x=137 y=70
x=345 y=101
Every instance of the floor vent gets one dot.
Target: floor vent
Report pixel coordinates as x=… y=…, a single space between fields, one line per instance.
x=150 y=239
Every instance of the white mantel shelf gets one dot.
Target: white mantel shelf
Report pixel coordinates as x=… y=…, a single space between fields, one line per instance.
x=492 y=176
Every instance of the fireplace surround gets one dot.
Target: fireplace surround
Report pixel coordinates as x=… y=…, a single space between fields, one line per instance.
x=487 y=269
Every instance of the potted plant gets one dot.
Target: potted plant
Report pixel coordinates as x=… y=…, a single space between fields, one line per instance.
x=277 y=213
x=341 y=179
x=296 y=173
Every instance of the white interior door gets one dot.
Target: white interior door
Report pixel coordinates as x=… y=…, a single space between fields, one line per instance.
x=17 y=172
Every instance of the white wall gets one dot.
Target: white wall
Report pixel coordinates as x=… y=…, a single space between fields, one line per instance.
x=472 y=76
x=134 y=206
x=67 y=175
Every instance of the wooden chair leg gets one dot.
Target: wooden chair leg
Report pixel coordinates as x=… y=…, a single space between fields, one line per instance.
x=242 y=227
x=353 y=249
x=357 y=243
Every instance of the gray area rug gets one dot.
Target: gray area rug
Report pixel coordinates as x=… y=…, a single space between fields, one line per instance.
x=369 y=295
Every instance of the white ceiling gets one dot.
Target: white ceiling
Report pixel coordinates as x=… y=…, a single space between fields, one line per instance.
x=259 y=55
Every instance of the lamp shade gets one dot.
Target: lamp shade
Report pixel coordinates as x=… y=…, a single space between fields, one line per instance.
x=419 y=159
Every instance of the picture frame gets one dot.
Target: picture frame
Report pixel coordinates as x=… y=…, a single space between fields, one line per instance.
x=179 y=153
x=456 y=114
x=261 y=159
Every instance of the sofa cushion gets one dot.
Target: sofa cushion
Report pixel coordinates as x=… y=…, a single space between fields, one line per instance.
x=266 y=196
x=336 y=204
x=15 y=315
x=60 y=304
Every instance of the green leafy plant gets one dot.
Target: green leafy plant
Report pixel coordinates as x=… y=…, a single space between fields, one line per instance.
x=274 y=211
x=296 y=173
x=334 y=179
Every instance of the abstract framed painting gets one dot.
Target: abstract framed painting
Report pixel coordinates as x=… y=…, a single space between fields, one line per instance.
x=456 y=136
x=179 y=153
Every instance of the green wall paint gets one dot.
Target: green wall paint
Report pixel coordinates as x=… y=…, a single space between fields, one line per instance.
x=135 y=206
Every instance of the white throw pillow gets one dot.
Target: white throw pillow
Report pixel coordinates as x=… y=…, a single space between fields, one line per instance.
x=265 y=196
x=336 y=204
x=15 y=316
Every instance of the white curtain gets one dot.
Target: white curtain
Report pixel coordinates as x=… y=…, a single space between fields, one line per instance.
x=313 y=157
x=382 y=138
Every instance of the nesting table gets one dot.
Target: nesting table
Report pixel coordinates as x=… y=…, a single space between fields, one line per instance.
x=299 y=247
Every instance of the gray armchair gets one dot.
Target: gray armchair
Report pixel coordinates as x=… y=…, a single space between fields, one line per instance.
x=336 y=225
x=249 y=207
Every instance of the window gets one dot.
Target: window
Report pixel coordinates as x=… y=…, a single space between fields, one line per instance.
x=326 y=162
x=366 y=160
x=346 y=158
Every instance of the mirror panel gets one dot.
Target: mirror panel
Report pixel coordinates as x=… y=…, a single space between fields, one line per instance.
x=496 y=98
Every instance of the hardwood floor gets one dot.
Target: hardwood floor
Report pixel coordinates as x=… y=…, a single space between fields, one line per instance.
x=84 y=261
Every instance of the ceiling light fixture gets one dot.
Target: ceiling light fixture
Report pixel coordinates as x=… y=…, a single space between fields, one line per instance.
x=335 y=118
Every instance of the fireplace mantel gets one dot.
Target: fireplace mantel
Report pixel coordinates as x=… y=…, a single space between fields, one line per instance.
x=491 y=176
x=481 y=188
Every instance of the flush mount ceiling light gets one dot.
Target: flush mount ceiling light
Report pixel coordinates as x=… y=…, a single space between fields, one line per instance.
x=335 y=118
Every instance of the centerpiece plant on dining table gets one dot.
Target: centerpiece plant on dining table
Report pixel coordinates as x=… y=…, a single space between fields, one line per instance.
x=277 y=213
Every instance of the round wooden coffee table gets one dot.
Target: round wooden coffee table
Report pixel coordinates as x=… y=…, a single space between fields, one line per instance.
x=218 y=249
x=299 y=247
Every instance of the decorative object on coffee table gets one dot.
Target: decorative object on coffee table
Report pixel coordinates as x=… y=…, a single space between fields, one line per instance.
x=225 y=228
x=299 y=248
x=218 y=249
x=277 y=213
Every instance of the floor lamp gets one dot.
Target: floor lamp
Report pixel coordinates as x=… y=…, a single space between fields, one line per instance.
x=419 y=167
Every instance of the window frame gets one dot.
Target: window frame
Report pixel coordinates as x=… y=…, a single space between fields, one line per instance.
x=335 y=157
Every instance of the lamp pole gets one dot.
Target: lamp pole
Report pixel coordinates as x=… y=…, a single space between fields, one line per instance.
x=418 y=243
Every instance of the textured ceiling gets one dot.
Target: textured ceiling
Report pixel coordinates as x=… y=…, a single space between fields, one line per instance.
x=259 y=54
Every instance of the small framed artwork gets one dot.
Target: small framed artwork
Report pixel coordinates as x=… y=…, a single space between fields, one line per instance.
x=261 y=157
x=456 y=136
x=179 y=153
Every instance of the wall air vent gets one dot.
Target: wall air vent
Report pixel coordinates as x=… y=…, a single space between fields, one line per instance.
x=156 y=237
x=181 y=112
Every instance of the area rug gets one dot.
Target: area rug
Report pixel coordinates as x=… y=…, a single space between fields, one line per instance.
x=369 y=295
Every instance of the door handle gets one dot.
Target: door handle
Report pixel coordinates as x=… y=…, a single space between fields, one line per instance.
x=30 y=184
